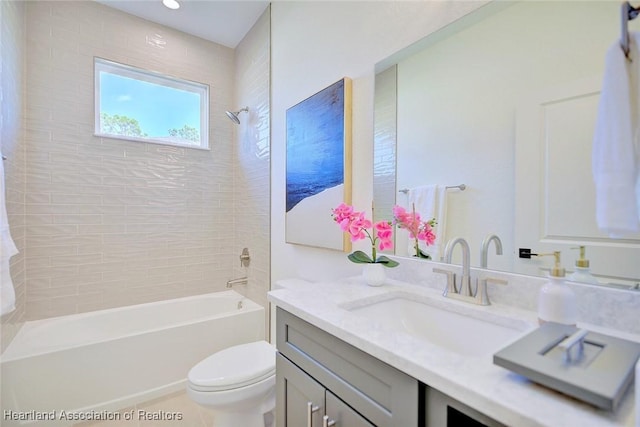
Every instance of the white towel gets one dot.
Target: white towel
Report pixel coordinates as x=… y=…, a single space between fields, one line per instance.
x=7 y=250
x=430 y=202
x=615 y=155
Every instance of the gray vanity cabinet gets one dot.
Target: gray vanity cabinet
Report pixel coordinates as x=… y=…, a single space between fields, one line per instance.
x=305 y=401
x=352 y=388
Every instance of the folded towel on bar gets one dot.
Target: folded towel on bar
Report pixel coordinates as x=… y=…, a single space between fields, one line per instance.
x=7 y=250
x=430 y=202
x=616 y=149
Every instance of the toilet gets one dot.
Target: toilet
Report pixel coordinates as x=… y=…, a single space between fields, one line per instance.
x=238 y=383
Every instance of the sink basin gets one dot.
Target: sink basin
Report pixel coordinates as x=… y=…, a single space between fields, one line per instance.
x=467 y=332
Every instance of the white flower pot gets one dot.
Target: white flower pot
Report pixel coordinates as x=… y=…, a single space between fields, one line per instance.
x=374 y=274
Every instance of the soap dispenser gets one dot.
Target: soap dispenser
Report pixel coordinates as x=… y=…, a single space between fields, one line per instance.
x=582 y=272
x=556 y=301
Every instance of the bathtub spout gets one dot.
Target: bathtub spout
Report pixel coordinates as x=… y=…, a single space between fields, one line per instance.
x=240 y=281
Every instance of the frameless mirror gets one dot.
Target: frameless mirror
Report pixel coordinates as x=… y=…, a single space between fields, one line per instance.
x=504 y=101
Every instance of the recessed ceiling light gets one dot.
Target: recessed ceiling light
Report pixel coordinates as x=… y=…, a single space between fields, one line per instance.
x=171 y=4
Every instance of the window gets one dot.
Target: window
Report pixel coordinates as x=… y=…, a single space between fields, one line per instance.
x=139 y=105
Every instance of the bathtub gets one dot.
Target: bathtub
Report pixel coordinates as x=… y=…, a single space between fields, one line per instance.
x=90 y=364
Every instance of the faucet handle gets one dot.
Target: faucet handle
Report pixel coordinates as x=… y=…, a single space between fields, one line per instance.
x=245 y=259
x=482 y=297
x=495 y=281
x=451 y=280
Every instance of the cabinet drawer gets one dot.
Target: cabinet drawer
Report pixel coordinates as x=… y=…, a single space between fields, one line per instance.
x=381 y=393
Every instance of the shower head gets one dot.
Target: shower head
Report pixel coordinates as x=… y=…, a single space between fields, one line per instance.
x=233 y=115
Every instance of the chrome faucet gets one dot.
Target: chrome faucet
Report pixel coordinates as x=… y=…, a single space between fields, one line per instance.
x=463 y=293
x=485 y=248
x=465 y=281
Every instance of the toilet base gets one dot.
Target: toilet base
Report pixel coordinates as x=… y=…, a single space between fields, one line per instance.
x=229 y=410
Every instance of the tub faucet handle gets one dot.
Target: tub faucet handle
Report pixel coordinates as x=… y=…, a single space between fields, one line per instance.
x=245 y=259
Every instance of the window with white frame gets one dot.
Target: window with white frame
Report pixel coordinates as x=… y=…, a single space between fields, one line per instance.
x=140 y=105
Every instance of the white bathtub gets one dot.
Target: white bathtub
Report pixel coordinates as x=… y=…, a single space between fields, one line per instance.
x=90 y=364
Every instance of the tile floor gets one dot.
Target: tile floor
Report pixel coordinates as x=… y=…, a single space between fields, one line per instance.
x=142 y=415
x=191 y=414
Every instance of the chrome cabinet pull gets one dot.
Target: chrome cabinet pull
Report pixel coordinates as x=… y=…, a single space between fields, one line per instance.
x=310 y=410
x=326 y=422
x=575 y=340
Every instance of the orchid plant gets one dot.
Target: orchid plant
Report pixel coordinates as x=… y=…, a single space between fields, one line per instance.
x=417 y=228
x=359 y=227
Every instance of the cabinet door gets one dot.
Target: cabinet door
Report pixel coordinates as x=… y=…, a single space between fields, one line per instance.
x=295 y=391
x=342 y=414
x=444 y=411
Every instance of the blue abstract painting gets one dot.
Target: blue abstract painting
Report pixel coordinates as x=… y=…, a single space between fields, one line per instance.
x=316 y=153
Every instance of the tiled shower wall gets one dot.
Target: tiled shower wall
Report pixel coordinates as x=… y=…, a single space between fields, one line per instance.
x=384 y=144
x=252 y=157
x=12 y=47
x=112 y=222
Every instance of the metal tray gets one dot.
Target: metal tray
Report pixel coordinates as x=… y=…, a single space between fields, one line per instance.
x=597 y=369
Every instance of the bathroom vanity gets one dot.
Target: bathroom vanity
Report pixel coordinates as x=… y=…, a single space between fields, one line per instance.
x=344 y=361
x=319 y=375
x=323 y=381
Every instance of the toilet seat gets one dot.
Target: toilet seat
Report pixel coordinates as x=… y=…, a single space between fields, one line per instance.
x=234 y=367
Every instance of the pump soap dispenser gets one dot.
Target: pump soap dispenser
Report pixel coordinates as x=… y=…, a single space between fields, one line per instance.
x=556 y=301
x=582 y=272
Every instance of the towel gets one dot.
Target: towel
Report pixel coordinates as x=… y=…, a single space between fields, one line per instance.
x=7 y=250
x=615 y=154
x=430 y=202
x=637 y=386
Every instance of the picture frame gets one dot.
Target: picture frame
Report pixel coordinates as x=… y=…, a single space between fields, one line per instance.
x=318 y=166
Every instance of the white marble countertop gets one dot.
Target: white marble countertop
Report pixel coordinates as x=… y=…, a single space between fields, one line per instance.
x=474 y=380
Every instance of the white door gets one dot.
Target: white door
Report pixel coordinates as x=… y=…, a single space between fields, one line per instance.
x=554 y=190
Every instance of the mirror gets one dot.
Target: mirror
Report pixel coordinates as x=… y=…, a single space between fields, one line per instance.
x=504 y=101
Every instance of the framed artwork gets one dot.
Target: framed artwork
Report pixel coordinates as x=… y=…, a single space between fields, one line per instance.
x=318 y=170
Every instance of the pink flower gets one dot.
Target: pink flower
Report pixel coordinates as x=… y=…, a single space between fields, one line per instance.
x=418 y=229
x=400 y=214
x=406 y=220
x=428 y=236
x=384 y=229
x=357 y=225
x=385 y=234
x=342 y=212
x=386 y=244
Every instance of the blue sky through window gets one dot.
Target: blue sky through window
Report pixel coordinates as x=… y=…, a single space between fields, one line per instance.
x=157 y=108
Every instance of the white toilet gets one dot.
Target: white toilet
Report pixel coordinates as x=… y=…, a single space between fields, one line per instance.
x=238 y=383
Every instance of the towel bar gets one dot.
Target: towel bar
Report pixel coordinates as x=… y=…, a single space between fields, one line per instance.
x=461 y=187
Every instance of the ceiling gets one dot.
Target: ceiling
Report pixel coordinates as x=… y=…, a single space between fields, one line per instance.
x=223 y=22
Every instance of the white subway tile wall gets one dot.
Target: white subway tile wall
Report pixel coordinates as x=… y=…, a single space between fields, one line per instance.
x=111 y=222
x=384 y=170
x=12 y=84
x=252 y=159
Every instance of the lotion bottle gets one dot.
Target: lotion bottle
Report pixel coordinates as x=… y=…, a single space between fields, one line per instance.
x=582 y=272
x=556 y=301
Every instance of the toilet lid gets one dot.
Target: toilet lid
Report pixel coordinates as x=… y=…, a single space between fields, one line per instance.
x=234 y=367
